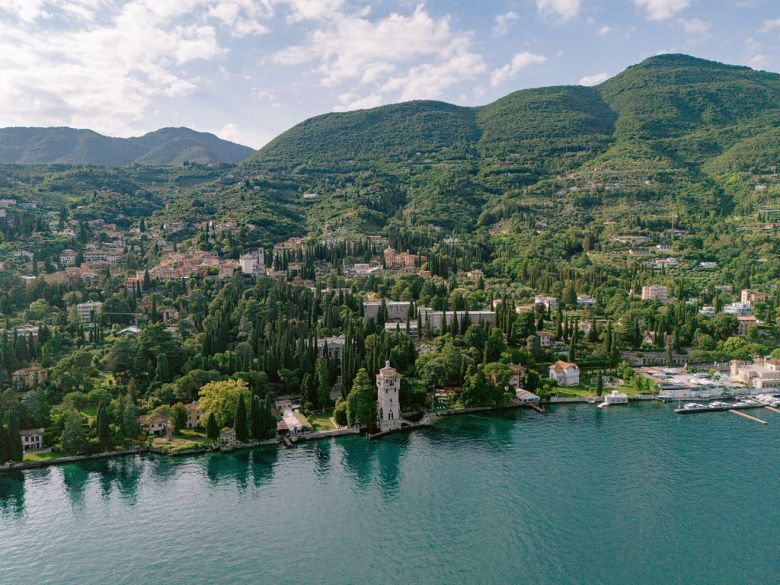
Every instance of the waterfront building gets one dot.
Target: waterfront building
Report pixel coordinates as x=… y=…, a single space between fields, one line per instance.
x=193 y=414
x=32 y=439
x=388 y=405
x=762 y=373
x=565 y=373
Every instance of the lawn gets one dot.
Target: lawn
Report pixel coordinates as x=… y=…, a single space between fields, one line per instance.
x=574 y=391
x=187 y=439
x=323 y=420
x=37 y=456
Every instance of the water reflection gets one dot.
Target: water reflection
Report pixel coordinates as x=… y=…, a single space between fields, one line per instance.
x=12 y=494
x=357 y=458
x=389 y=457
x=322 y=454
x=75 y=479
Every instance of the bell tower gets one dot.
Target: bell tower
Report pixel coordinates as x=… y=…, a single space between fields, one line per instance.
x=388 y=386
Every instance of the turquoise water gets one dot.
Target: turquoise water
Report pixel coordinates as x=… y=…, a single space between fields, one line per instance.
x=631 y=495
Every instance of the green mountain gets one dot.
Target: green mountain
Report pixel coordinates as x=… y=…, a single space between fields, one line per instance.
x=165 y=147
x=662 y=133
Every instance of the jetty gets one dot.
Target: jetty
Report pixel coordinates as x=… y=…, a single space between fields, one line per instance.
x=747 y=416
x=729 y=408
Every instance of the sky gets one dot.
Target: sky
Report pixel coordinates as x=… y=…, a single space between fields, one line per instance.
x=247 y=70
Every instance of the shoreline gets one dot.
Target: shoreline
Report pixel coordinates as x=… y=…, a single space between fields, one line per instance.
x=341 y=432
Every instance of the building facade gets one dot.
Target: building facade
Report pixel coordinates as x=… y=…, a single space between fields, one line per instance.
x=388 y=407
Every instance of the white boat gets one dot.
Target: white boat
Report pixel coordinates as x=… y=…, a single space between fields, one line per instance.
x=718 y=404
x=693 y=406
x=614 y=397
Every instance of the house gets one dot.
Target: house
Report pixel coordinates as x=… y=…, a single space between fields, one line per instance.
x=227 y=436
x=745 y=322
x=28 y=377
x=585 y=300
x=549 y=303
x=655 y=292
x=526 y=397
x=89 y=311
x=708 y=265
x=131 y=330
x=545 y=338
x=565 y=373
x=518 y=375
x=395 y=259
x=193 y=414
x=749 y=297
x=439 y=320
x=32 y=439
x=738 y=309
x=170 y=314
x=707 y=311
x=67 y=258
x=154 y=424
x=253 y=263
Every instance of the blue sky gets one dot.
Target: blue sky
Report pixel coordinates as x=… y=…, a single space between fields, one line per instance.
x=249 y=69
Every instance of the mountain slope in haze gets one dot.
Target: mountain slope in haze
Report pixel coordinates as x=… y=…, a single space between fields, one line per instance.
x=663 y=131
x=165 y=147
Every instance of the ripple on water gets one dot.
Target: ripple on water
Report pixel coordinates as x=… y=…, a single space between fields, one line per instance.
x=576 y=495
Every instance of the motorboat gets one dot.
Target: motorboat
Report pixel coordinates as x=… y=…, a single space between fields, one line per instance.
x=693 y=406
x=719 y=404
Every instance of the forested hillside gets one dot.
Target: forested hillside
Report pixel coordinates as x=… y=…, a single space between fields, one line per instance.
x=165 y=147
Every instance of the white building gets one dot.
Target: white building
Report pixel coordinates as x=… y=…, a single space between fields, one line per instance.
x=439 y=320
x=388 y=406
x=707 y=311
x=738 y=309
x=762 y=373
x=253 y=263
x=565 y=373
x=585 y=300
x=89 y=311
x=655 y=292
x=397 y=311
x=67 y=258
x=32 y=439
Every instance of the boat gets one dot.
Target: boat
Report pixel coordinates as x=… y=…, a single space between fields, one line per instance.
x=693 y=406
x=614 y=397
x=719 y=404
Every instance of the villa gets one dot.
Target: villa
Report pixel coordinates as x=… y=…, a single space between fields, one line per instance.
x=565 y=373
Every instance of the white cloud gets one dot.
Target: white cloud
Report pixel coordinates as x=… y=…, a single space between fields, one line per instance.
x=101 y=63
x=590 y=80
x=503 y=21
x=404 y=57
x=519 y=62
x=562 y=9
x=770 y=25
x=313 y=9
x=605 y=30
x=759 y=61
x=662 y=9
x=695 y=27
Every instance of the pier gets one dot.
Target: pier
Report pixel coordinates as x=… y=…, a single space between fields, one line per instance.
x=747 y=416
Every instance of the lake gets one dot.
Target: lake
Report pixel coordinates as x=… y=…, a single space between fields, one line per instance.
x=626 y=495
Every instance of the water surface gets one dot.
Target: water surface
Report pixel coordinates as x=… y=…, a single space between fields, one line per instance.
x=627 y=495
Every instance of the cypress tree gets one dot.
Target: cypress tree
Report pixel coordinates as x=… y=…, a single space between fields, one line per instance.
x=256 y=418
x=102 y=428
x=240 y=421
x=212 y=430
x=599 y=384
x=14 y=439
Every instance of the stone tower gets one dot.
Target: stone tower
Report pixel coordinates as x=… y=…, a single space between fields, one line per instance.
x=388 y=407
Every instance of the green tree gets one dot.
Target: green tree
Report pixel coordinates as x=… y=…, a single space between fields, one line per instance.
x=256 y=418
x=361 y=401
x=323 y=382
x=102 y=428
x=15 y=450
x=212 y=428
x=221 y=398
x=179 y=417
x=74 y=436
x=599 y=384
x=128 y=422
x=240 y=420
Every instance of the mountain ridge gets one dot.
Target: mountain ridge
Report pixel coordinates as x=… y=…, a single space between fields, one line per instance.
x=164 y=147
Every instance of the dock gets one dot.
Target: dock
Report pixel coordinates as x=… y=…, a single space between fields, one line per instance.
x=746 y=415
x=729 y=408
x=773 y=409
